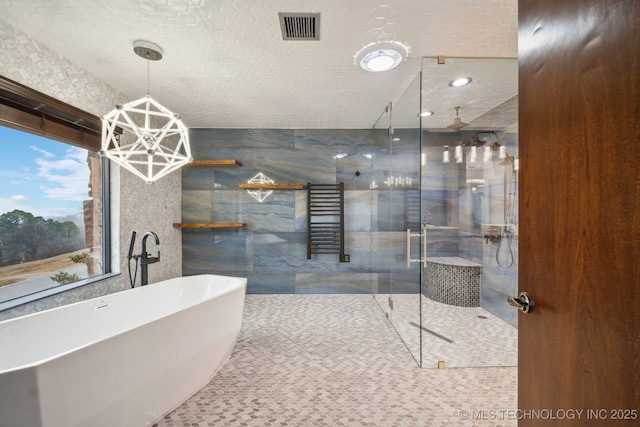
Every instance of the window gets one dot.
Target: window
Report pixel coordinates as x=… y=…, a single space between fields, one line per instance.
x=54 y=203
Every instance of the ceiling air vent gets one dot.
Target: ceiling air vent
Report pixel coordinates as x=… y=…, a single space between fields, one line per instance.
x=300 y=26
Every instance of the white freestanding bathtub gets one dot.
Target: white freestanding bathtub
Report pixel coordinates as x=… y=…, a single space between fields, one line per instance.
x=122 y=360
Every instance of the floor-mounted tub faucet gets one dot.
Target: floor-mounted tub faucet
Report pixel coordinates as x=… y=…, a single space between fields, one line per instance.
x=146 y=259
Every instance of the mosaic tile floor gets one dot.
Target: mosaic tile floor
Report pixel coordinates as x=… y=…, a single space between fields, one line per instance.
x=460 y=336
x=334 y=360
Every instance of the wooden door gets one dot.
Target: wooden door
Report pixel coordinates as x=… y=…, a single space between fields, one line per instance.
x=579 y=84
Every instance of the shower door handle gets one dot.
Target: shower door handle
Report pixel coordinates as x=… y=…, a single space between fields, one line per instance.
x=522 y=303
x=422 y=234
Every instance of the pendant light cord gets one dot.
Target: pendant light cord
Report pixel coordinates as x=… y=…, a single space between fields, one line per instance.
x=148 y=78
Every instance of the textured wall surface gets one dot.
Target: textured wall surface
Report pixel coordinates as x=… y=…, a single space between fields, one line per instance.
x=271 y=250
x=135 y=204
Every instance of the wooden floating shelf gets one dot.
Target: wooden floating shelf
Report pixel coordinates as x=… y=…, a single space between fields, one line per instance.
x=272 y=186
x=216 y=163
x=209 y=225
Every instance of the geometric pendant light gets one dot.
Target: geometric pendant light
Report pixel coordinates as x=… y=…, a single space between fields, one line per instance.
x=260 y=194
x=143 y=136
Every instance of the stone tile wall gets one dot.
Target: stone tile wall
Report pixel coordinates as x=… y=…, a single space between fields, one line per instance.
x=271 y=250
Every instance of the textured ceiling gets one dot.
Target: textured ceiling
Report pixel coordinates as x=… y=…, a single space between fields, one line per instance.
x=225 y=63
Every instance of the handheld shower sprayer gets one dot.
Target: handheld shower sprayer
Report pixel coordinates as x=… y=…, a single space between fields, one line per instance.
x=131 y=244
x=130 y=255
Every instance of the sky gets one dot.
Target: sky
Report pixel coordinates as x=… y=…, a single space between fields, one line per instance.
x=41 y=176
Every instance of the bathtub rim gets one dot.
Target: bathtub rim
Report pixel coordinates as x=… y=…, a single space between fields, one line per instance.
x=102 y=298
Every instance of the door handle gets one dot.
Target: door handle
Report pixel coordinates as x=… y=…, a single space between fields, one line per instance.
x=522 y=303
x=423 y=235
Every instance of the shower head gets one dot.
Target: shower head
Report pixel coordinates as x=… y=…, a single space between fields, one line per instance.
x=457 y=123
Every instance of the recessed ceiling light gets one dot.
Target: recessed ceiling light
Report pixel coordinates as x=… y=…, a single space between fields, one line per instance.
x=426 y=114
x=378 y=57
x=462 y=81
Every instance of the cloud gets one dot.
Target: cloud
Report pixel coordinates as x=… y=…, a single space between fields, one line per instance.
x=44 y=153
x=8 y=204
x=19 y=198
x=66 y=178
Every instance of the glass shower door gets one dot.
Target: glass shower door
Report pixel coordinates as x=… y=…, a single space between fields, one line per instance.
x=468 y=203
x=446 y=213
x=399 y=217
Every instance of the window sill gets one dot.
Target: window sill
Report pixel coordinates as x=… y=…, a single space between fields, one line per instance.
x=25 y=299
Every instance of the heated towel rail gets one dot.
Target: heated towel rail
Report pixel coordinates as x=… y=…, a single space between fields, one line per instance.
x=325 y=220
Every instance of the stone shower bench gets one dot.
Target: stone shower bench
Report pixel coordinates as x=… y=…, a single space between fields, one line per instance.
x=453 y=281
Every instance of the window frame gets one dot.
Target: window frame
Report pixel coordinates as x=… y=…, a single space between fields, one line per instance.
x=28 y=110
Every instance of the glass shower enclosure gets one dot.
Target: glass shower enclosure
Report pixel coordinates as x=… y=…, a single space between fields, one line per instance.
x=452 y=173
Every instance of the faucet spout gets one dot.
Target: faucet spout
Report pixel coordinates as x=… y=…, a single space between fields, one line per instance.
x=146 y=258
x=144 y=241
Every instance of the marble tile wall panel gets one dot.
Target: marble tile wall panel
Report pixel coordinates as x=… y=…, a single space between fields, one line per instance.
x=466 y=221
x=207 y=141
x=496 y=303
x=349 y=283
x=405 y=165
x=391 y=211
x=434 y=210
x=285 y=252
x=196 y=205
x=220 y=252
x=198 y=178
x=228 y=178
x=443 y=248
x=300 y=197
x=341 y=139
x=272 y=283
x=388 y=251
x=434 y=179
x=219 y=178
x=355 y=168
x=380 y=170
x=315 y=165
x=275 y=214
x=434 y=176
x=357 y=210
x=443 y=242
x=406 y=137
x=228 y=205
x=360 y=247
x=471 y=246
